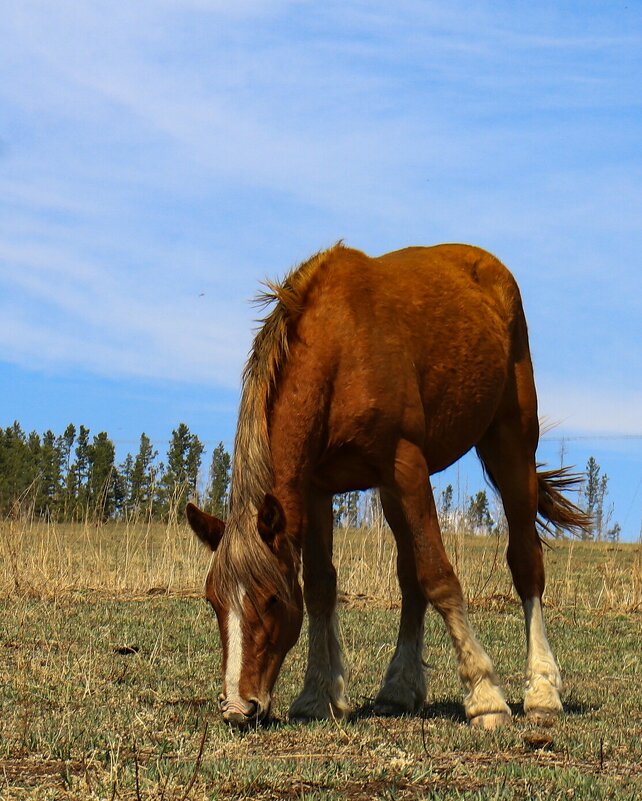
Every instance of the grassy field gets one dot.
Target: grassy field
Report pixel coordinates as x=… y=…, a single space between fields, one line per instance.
x=109 y=671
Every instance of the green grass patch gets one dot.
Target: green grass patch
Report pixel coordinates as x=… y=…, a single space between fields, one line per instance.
x=105 y=698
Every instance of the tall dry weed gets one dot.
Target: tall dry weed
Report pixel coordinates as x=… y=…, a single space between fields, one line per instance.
x=139 y=556
x=128 y=558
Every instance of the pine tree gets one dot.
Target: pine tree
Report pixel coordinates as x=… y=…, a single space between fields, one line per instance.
x=193 y=465
x=613 y=534
x=600 y=515
x=216 y=497
x=141 y=493
x=101 y=481
x=18 y=472
x=32 y=457
x=49 y=499
x=180 y=479
x=64 y=444
x=446 y=500
x=346 y=509
x=122 y=477
x=445 y=509
x=71 y=510
x=478 y=512
x=124 y=485
x=339 y=507
x=80 y=470
x=591 y=493
x=352 y=509
x=595 y=492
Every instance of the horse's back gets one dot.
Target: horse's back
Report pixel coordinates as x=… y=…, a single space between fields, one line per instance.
x=429 y=302
x=461 y=278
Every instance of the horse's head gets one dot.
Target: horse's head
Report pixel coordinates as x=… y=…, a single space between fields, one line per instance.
x=259 y=616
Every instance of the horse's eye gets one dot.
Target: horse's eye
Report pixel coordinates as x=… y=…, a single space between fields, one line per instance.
x=272 y=601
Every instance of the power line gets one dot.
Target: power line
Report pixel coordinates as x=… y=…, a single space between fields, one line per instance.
x=573 y=438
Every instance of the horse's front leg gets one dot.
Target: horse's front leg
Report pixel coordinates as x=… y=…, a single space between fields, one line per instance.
x=323 y=694
x=404 y=686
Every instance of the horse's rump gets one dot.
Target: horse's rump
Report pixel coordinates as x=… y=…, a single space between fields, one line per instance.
x=417 y=344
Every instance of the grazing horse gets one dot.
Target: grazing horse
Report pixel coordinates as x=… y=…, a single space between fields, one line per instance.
x=378 y=372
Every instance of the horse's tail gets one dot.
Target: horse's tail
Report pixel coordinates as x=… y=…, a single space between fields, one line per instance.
x=554 y=508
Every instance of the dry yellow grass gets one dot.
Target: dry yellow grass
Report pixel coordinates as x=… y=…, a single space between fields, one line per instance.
x=139 y=558
x=116 y=559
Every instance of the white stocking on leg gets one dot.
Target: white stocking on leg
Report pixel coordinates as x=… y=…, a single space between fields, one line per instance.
x=323 y=694
x=543 y=680
x=404 y=687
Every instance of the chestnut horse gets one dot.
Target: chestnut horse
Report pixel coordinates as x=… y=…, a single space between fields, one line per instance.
x=378 y=372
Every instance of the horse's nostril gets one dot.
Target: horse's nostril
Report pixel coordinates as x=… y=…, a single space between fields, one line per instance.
x=242 y=713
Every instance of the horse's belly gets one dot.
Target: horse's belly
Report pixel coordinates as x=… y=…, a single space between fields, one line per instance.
x=458 y=411
x=347 y=469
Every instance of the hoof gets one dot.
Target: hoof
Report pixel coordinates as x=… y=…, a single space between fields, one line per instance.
x=306 y=712
x=396 y=700
x=309 y=715
x=542 y=717
x=388 y=709
x=301 y=720
x=490 y=721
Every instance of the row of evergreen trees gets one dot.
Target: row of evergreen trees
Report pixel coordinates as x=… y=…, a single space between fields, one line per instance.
x=74 y=476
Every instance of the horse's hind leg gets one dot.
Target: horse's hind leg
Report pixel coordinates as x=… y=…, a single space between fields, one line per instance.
x=323 y=694
x=404 y=686
x=484 y=702
x=508 y=452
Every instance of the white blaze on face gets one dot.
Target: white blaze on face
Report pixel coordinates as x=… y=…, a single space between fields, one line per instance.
x=234 y=647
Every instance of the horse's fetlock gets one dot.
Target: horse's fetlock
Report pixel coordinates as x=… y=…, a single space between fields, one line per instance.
x=485 y=698
x=543 y=695
x=320 y=703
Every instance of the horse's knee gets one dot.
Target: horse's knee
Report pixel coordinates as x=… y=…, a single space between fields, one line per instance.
x=526 y=564
x=441 y=590
x=320 y=591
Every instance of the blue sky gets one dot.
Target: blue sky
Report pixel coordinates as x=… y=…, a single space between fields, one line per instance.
x=159 y=159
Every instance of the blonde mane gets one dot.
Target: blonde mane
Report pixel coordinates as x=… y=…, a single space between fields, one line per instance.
x=243 y=558
x=252 y=462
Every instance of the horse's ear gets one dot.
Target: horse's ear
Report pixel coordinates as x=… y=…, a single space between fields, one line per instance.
x=271 y=521
x=207 y=528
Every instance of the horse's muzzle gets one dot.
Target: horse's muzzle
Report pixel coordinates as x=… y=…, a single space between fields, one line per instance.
x=241 y=713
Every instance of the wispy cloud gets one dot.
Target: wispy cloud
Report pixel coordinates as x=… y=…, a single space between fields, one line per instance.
x=76 y=314
x=159 y=158
x=591 y=409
